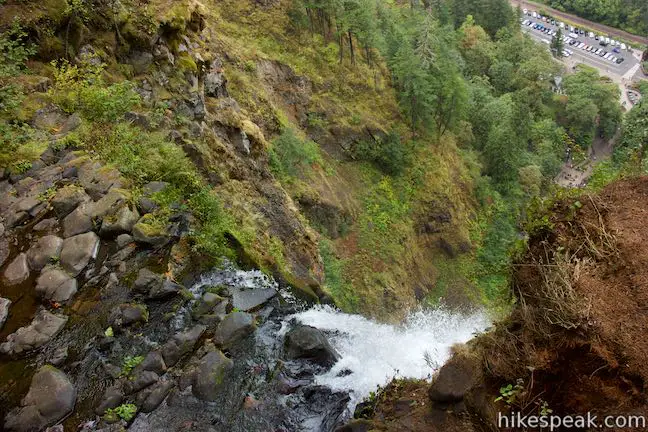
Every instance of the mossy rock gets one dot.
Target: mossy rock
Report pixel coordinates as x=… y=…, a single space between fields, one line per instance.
x=186 y=64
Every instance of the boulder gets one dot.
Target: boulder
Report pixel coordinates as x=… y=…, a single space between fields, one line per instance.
x=166 y=289
x=306 y=342
x=247 y=299
x=97 y=180
x=46 y=250
x=155 y=396
x=67 y=199
x=215 y=84
x=109 y=204
x=127 y=314
x=122 y=222
x=78 y=222
x=455 y=379
x=233 y=327
x=123 y=240
x=208 y=376
x=206 y=304
x=45 y=225
x=18 y=271
x=51 y=397
x=78 y=251
x=112 y=398
x=153 y=362
x=139 y=381
x=4 y=310
x=180 y=344
x=15 y=218
x=147 y=281
x=148 y=231
x=44 y=327
x=56 y=285
x=4 y=250
x=140 y=60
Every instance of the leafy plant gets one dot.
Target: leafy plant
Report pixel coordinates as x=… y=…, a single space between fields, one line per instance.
x=14 y=51
x=124 y=411
x=109 y=332
x=291 y=156
x=130 y=363
x=509 y=393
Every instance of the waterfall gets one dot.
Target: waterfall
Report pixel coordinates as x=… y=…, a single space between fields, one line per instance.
x=373 y=353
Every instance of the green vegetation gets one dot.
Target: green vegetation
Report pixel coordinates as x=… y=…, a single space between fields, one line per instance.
x=291 y=156
x=13 y=53
x=125 y=412
x=130 y=363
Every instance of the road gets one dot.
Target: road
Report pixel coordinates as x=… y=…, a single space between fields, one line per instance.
x=601 y=28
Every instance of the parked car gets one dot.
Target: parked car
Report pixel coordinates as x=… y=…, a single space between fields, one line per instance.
x=617 y=50
x=612 y=59
x=525 y=11
x=591 y=34
x=623 y=46
x=581 y=32
x=562 y=25
x=620 y=60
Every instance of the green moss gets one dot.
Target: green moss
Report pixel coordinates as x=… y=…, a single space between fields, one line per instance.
x=185 y=63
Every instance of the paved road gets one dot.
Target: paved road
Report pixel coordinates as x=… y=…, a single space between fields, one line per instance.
x=601 y=28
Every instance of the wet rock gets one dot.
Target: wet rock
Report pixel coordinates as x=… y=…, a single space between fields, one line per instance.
x=15 y=218
x=208 y=376
x=166 y=289
x=45 y=225
x=70 y=172
x=306 y=342
x=56 y=285
x=180 y=344
x=46 y=250
x=4 y=250
x=123 y=240
x=148 y=231
x=454 y=379
x=67 y=199
x=122 y=222
x=234 y=326
x=112 y=398
x=141 y=380
x=51 y=397
x=153 y=362
x=78 y=251
x=147 y=281
x=78 y=222
x=18 y=271
x=357 y=425
x=206 y=304
x=247 y=299
x=156 y=395
x=128 y=314
x=43 y=328
x=4 y=310
x=59 y=356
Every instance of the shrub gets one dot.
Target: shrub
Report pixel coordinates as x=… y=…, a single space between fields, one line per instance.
x=124 y=411
x=130 y=363
x=13 y=52
x=20 y=145
x=83 y=88
x=388 y=153
x=291 y=156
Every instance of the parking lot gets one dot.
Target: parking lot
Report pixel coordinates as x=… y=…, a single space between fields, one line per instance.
x=596 y=50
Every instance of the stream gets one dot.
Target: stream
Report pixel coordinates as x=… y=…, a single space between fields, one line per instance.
x=263 y=392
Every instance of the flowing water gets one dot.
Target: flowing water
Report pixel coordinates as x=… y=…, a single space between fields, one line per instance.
x=297 y=395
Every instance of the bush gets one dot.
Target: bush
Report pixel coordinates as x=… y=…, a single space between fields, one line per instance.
x=82 y=88
x=20 y=145
x=13 y=52
x=291 y=156
x=388 y=153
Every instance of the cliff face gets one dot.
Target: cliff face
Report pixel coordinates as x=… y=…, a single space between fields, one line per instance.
x=227 y=82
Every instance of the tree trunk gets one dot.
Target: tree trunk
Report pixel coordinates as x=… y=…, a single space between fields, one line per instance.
x=341 y=42
x=351 y=48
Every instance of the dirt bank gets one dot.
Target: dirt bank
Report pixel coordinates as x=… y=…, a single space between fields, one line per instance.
x=575 y=342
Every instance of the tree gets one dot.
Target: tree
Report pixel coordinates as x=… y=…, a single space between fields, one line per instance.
x=557 y=44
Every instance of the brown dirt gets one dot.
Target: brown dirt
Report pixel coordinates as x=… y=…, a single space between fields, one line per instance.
x=577 y=336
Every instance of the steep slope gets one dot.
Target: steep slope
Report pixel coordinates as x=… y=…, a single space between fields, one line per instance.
x=574 y=343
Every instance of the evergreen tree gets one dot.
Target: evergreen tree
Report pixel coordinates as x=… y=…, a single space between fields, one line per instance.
x=557 y=44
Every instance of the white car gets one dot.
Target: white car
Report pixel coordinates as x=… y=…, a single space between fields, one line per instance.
x=612 y=42
x=562 y=25
x=534 y=15
x=623 y=46
x=612 y=59
x=525 y=11
x=565 y=53
x=573 y=35
x=525 y=22
x=607 y=56
x=607 y=40
x=591 y=34
x=581 y=45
